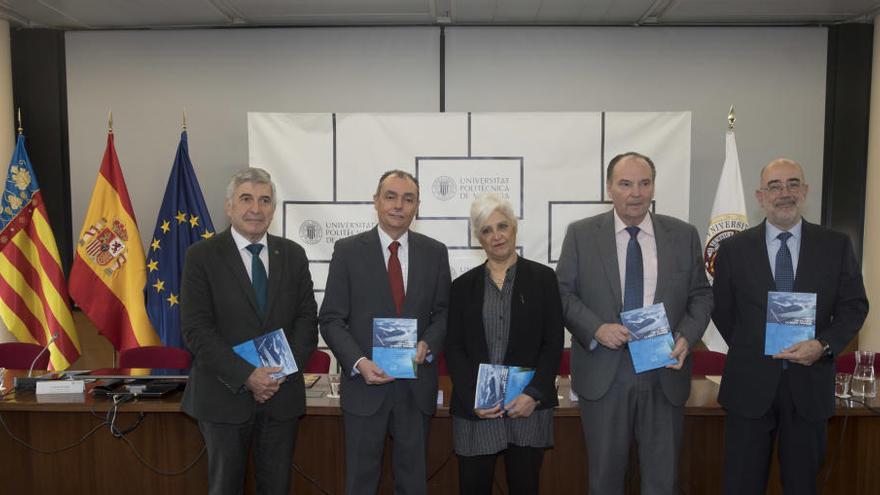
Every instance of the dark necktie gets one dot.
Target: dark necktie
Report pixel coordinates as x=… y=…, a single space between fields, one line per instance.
x=784 y=271
x=634 y=283
x=258 y=276
x=395 y=276
x=784 y=266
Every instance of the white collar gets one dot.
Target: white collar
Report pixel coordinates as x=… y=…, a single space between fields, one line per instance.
x=386 y=239
x=774 y=231
x=241 y=241
x=646 y=226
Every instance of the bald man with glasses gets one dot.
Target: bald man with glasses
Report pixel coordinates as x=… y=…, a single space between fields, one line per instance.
x=787 y=396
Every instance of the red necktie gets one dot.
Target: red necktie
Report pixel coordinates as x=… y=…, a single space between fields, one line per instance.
x=395 y=276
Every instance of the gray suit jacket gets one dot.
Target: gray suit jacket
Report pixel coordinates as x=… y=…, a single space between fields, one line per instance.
x=219 y=310
x=589 y=283
x=358 y=291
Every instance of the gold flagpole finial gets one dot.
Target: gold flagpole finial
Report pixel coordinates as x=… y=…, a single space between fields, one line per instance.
x=110 y=121
x=184 y=119
x=731 y=118
x=20 y=128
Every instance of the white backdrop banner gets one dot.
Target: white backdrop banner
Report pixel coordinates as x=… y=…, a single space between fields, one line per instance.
x=551 y=166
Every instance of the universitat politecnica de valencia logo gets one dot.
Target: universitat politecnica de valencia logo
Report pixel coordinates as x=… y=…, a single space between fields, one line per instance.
x=311 y=232
x=444 y=188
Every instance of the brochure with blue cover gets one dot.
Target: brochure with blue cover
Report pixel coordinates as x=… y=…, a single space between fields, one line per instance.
x=269 y=351
x=394 y=346
x=497 y=384
x=791 y=318
x=650 y=337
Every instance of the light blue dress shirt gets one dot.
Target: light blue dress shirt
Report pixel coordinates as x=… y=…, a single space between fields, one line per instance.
x=773 y=244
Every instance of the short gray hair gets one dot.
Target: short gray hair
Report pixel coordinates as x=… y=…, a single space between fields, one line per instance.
x=250 y=174
x=485 y=205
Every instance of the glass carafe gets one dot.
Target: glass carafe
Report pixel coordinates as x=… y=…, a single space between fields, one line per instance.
x=863 y=382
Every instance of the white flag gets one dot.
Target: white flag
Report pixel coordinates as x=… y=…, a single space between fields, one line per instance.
x=728 y=217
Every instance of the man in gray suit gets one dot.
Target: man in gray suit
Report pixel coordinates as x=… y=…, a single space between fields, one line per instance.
x=238 y=285
x=388 y=271
x=621 y=260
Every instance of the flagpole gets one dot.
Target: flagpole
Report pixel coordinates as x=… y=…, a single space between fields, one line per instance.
x=22 y=202
x=728 y=217
x=111 y=291
x=183 y=206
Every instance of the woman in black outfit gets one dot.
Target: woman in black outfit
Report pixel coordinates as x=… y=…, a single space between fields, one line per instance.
x=505 y=311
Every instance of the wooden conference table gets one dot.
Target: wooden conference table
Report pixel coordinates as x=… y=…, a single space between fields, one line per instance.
x=167 y=440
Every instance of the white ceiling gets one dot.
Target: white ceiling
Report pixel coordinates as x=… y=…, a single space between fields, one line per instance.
x=135 y=14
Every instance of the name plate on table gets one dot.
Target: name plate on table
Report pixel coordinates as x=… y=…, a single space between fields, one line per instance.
x=61 y=387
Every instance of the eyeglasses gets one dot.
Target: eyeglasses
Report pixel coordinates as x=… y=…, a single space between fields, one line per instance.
x=778 y=187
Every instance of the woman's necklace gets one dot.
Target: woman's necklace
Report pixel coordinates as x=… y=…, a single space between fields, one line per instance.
x=499 y=274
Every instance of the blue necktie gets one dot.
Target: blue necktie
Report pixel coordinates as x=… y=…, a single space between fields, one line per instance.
x=634 y=288
x=784 y=266
x=258 y=276
x=784 y=270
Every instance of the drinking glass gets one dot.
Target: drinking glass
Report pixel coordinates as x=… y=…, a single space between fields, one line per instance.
x=841 y=385
x=334 y=387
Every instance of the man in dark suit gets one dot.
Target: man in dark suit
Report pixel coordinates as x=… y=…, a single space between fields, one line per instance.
x=388 y=271
x=617 y=261
x=227 y=298
x=790 y=395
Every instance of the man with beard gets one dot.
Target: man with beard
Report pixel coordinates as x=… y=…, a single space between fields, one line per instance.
x=788 y=396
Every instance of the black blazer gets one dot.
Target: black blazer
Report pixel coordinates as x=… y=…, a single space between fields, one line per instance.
x=535 y=339
x=218 y=310
x=826 y=266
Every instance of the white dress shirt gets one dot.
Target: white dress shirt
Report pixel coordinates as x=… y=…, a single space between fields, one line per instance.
x=403 y=256
x=246 y=257
x=402 y=252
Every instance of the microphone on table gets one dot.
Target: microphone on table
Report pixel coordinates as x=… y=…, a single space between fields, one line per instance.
x=30 y=383
x=42 y=351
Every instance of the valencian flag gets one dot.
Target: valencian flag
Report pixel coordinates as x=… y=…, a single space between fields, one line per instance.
x=33 y=294
x=183 y=220
x=728 y=218
x=108 y=275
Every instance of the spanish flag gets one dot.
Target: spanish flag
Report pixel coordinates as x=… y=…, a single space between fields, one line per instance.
x=109 y=269
x=33 y=294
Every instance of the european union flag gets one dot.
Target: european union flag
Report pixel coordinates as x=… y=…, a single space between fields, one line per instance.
x=183 y=220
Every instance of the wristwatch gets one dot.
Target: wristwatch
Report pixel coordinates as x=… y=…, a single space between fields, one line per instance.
x=826 y=348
